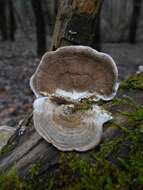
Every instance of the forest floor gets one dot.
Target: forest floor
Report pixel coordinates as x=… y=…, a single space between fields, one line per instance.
x=18 y=62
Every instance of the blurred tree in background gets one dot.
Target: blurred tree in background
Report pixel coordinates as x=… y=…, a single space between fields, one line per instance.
x=134 y=20
x=7 y=20
x=3 y=20
x=119 y=21
x=12 y=22
x=40 y=26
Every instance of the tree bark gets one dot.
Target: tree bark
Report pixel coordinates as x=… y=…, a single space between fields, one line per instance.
x=134 y=21
x=40 y=27
x=73 y=26
x=76 y=23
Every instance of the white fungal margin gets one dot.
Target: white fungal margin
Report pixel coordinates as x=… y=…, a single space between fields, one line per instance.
x=33 y=88
x=72 y=94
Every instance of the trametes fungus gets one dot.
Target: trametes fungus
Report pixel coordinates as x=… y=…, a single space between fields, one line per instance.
x=68 y=83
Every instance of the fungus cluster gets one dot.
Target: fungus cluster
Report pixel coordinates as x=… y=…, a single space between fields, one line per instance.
x=67 y=79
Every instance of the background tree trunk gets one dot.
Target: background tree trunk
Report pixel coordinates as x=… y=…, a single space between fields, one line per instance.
x=134 y=20
x=97 y=32
x=7 y=20
x=3 y=20
x=74 y=25
x=12 y=22
x=76 y=22
x=40 y=26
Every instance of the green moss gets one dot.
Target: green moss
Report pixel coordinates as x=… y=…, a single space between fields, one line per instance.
x=101 y=173
x=105 y=167
x=35 y=169
x=12 y=180
x=117 y=101
x=7 y=148
x=123 y=101
x=136 y=117
x=133 y=82
x=84 y=104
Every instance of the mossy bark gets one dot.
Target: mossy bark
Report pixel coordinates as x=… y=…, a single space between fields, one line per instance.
x=118 y=152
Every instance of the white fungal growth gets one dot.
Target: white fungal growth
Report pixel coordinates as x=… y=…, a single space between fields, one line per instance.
x=72 y=32
x=77 y=96
x=101 y=116
x=73 y=94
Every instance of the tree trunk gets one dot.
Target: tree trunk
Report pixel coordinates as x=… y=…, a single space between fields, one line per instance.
x=134 y=21
x=40 y=26
x=3 y=20
x=7 y=20
x=12 y=23
x=76 y=23
x=73 y=26
x=56 y=7
x=97 y=33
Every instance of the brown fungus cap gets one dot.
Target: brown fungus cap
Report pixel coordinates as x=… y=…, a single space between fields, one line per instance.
x=76 y=68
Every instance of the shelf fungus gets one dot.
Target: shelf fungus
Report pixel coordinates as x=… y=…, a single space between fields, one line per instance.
x=68 y=84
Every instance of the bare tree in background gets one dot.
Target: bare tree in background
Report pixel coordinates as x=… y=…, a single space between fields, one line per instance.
x=40 y=26
x=97 y=32
x=134 y=20
x=7 y=20
x=3 y=20
x=12 y=23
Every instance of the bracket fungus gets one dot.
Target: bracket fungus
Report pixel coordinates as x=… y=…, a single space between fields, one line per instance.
x=68 y=84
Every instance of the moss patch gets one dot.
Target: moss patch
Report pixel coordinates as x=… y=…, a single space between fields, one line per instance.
x=135 y=118
x=133 y=82
x=107 y=167
x=84 y=104
x=12 y=180
x=7 y=148
x=101 y=173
